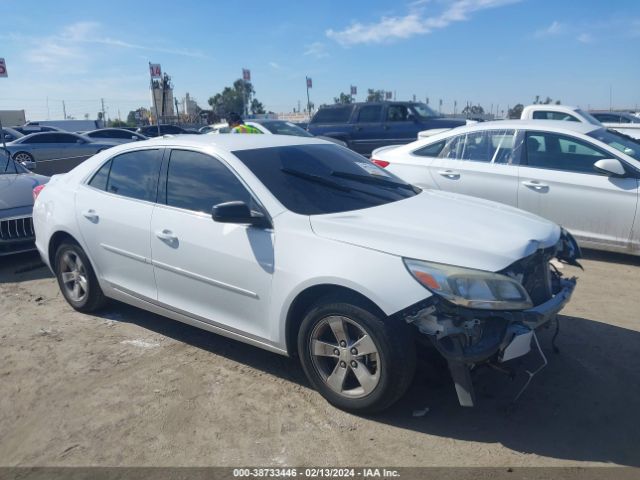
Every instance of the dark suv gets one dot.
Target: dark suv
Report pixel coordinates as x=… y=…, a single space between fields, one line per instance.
x=367 y=126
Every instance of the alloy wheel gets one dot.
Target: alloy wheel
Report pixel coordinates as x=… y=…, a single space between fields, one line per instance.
x=345 y=356
x=74 y=276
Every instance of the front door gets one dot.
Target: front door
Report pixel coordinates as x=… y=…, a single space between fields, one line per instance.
x=557 y=181
x=113 y=211
x=399 y=126
x=216 y=272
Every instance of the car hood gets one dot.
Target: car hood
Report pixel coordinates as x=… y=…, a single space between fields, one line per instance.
x=443 y=227
x=16 y=190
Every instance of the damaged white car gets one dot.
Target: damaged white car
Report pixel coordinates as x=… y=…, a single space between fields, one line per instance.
x=305 y=248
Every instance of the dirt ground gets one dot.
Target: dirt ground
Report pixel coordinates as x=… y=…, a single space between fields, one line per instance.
x=127 y=387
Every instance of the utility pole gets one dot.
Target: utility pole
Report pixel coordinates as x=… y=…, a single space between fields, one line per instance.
x=104 y=119
x=64 y=111
x=308 y=80
x=177 y=111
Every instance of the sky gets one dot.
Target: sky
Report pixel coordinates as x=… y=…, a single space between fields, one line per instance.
x=491 y=52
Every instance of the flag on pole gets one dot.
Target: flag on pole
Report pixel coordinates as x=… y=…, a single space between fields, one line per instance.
x=309 y=82
x=246 y=74
x=354 y=90
x=154 y=70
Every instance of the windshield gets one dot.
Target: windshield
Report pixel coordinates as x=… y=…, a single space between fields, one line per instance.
x=285 y=128
x=318 y=179
x=590 y=118
x=425 y=111
x=624 y=143
x=8 y=166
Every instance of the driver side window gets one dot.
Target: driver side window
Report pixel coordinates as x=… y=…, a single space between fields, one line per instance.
x=560 y=152
x=197 y=182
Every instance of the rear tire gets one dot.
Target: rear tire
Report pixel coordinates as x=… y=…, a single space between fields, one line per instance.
x=76 y=278
x=356 y=359
x=23 y=157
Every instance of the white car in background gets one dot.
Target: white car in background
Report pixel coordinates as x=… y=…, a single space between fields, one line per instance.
x=621 y=122
x=581 y=176
x=305 y=248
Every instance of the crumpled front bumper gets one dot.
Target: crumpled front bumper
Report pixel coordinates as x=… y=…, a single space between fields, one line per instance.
x=499 y=339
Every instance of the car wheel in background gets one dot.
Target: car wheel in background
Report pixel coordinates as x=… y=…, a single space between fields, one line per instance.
x=355 y=358
x=23 y=157
x=77 y=279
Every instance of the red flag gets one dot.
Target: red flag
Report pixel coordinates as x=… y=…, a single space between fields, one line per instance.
x=309 y=83
x=354 y=90
x=246 y=74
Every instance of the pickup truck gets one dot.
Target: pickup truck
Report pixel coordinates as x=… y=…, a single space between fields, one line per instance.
x=629 y=126
x=367 y=126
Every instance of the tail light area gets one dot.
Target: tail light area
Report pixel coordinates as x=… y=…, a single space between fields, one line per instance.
x=380 y=163
x=37 y=190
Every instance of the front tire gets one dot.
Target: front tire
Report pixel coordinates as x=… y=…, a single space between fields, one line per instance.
x=76 y=278
x=356 y=359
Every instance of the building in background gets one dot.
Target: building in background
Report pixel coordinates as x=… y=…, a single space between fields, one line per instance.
x=190 y=106
x=12 y=118
x=162 y=100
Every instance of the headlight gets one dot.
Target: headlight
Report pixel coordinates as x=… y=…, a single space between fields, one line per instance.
x=470 y=288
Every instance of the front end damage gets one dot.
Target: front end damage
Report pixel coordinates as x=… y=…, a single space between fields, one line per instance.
x=469 y=337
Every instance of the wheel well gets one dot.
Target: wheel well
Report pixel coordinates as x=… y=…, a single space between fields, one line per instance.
x=309 y=297
x=56 y=240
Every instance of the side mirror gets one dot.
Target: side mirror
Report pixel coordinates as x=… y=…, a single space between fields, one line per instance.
x=133 y=137
x=412 y=118
x=238 y=212
x=610 y=166
x=28 y=164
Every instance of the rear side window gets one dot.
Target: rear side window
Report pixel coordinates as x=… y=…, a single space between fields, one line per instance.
x=132 y=175
x=99 y=180
x=545 y=115
x=333 y=115
x=197 y=182
x=432 y=150
x=369 y=113
x=487 y=146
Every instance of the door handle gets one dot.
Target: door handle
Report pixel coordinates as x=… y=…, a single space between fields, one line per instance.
x=449 y=173
x=358 y=129
x=91 y=215
x=166 y=235
x=535 y=185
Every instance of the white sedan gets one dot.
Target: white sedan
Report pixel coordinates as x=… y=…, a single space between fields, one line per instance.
x=305 y=248
x=581 y=176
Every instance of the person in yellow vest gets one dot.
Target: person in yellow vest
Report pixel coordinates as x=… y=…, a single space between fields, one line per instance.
x=237 y=125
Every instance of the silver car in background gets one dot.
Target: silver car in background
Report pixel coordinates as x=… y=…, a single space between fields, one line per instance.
x=16 y=204
x=581 y=176
x=49 y=153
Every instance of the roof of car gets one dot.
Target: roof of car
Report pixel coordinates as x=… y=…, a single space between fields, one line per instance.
x=231 y=142
x=552 y=125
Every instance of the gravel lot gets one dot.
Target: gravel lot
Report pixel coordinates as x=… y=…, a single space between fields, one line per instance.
x=127 y=387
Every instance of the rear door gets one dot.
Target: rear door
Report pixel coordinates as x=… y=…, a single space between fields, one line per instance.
x=367 y=130
x=113 y=211
x=481 y=164
x=557 y=181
